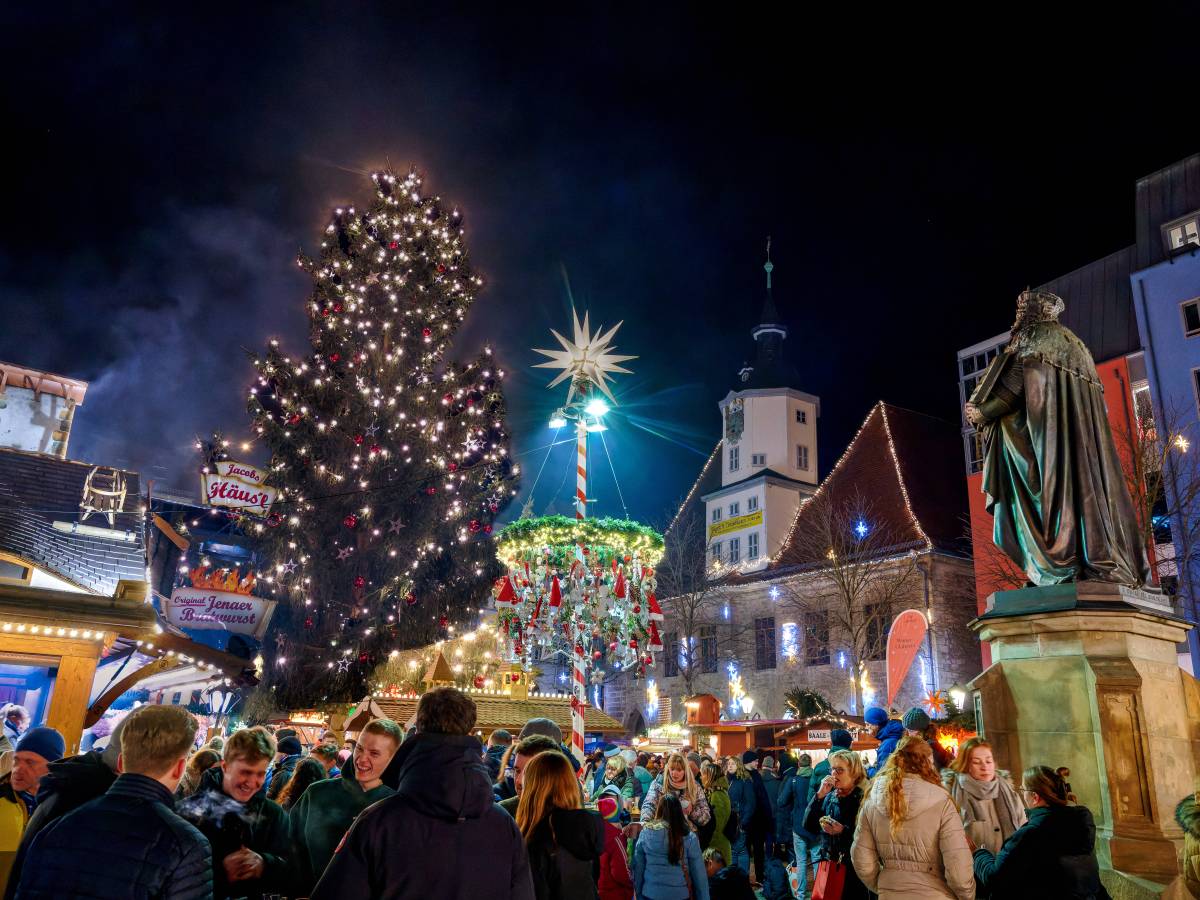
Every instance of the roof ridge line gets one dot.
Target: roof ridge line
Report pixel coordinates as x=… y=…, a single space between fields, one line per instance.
x=695 y=485
x=900 y=477
x=917 y=412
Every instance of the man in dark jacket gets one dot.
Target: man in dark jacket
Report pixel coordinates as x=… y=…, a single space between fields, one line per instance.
x=887 y=731
x=498 y=743
x=248 y=832
x=793 y=804
x=129 y=843
x=68 y=784
x=281 y=773
x=440 y=835
x=762 y=823
x=772 y=784
x=527 y=748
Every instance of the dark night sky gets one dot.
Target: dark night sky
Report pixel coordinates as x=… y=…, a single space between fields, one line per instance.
x=163 y=169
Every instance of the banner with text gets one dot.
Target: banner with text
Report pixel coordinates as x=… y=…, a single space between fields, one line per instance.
x=197 y=608
x=235 y=492
x=904 y=640
x=737 y=523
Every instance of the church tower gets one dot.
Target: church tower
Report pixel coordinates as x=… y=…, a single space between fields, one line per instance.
x=768 y=451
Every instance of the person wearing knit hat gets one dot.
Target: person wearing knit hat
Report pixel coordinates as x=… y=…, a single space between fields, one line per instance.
x=288 y=751
x=915 y=721
x=750 y=759
x=37 y=748
x=887 y=731
x=840 y=739
x=615 y=881
x=611 y=750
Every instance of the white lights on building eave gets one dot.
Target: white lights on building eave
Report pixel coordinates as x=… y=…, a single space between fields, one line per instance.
x=79 y=634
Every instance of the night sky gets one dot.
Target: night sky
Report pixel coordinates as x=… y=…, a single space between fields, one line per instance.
x=164 y=167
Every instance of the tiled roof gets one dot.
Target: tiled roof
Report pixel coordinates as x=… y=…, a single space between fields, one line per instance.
x=36 y=491
x=708 y=481
x=903 y=463
x=499 y=711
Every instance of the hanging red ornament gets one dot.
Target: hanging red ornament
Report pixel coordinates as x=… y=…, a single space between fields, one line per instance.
x=334 y=357
x=308 y=623
x=478 y=682
x=359 y=581
x=393 y=245
x=325 y=313
x=493 y=507
x=453 y=467
x=613 y=646
x=363 y=658
x=596 y=654
x=474 y=526
x=358 y=440
x=443 y=621
x=337 y=307
x=375 y=448
x=410 y=598
x=426 y=332
x=441 y=269
x=274 y=520
x=350 y=521
x=430 y=490
x=487 y=529
x=294 y=419
x=446 y=398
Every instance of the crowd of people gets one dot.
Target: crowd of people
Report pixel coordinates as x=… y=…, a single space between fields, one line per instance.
x=426 y=810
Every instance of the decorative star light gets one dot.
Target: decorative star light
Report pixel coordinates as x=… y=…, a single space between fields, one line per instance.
x=344 y=553
x=394 y=525
x=343 y=665
x=371 y=431
x=472 y=444
x=588 y=357
x=861 y=529
x=290 y=566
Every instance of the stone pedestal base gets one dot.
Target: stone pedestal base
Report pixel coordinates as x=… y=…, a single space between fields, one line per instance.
x=1086 y=676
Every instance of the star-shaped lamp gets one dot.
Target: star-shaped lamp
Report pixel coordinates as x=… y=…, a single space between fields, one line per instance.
x=588 y=357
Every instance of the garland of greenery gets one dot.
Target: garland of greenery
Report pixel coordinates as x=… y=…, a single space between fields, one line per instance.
x=527 y=539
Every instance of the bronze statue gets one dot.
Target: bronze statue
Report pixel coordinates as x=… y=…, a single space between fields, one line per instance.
x=1054 y=484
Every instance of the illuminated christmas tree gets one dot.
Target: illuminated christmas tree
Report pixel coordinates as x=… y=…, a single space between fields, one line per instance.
x=391 y=459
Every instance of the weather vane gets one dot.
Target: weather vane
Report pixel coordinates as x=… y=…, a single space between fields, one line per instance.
x=588 y=362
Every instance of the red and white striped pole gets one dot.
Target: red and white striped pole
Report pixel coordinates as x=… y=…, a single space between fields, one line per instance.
x=578 y=694
x=581 y=436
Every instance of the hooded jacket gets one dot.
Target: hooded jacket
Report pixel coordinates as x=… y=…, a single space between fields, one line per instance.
x=146 y=850
x=321 y=818
x=259 y=825
x=440 y=835
x=793 y=803
x=616 y=880
x=656 y=878
x=564 y=855
x=1187 y=814
x=927 y=857
x=888 y=736
x=1057 y=843
x=68 y=784
x=493 y=757
x=280 y=775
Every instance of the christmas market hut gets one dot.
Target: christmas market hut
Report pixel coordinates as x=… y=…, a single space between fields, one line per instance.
x=811 y=734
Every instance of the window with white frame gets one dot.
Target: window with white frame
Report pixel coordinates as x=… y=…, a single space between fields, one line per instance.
x=716 y=514
x=752 y=546
x=716 y=551
x=751 y=504
x=1191 y=317
x=734 y=464
x=735 y=549
x=801 y=417
x=1182 y=234
x=802 y=457
x=735 y=508
x=758 y=459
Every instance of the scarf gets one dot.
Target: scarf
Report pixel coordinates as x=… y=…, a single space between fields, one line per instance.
x=1009 y=812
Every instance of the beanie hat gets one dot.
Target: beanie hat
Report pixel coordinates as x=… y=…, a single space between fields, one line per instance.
x=749 y=756
x=611 y=750
x=45 y=742
x=609 y=806
x=876 y=716
x=289 y=745
x=769 y=762
x=915 y=719
x=841 y=739
x=285 y=732
x=542 y=726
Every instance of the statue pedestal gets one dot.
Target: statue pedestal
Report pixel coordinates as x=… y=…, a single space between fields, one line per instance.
x=1086 y=676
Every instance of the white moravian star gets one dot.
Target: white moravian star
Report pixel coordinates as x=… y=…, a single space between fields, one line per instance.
x=588 y=357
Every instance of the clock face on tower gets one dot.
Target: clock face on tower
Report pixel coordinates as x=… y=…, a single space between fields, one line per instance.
x=735 y=421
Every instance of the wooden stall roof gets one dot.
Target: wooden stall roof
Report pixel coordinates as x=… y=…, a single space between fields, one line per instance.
x=492 y=711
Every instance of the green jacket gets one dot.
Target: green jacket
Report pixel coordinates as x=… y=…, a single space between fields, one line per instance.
x=321 y=817
x=718 y=802
x=510 y=805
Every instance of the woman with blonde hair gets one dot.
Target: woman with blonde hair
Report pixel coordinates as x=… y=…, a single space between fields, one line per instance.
x=616 y=775
x=832 y=813
x=991 y=810
x=677 y=779
x=910 y=843
x=565 y=841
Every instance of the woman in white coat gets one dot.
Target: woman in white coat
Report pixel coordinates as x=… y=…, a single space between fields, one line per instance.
x=990 y=807
x=910 y=843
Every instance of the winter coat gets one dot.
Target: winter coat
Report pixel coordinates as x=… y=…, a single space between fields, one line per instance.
x=888 y=736
x=655 y=877
x=278 y=777
x=616 y=879
x=564 y=855
x=988 y=823
x=718 y=802
x=1187 y=814
x=321 y=818
x=68 y=784
x=645 y=779
x=836 y=847
x=793 y=803
x=1051 y=857
x=492 y=759
x=741 y=798
x=146 y=850
x=440 y=835
x=698 y=813
x=762 y=822
x=623 y=784
x=772 y=785
x=730 y=883
x=927 y=857
x=14 y=816
x=259 y=825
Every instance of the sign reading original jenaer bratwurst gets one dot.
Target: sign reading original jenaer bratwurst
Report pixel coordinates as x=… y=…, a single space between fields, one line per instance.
x=204 y=609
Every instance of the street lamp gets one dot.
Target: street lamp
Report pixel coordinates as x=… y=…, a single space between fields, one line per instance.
x=958 y=694
x=596 y=408
x=558 y=420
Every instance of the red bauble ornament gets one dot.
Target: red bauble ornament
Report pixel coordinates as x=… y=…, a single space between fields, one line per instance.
x=612 y=646
x=596 y=654
x=446 y=398
x=334 y=357
x=475 y=526
x=487 y=529
x=494 y=507
x=325 y=313
x=453 y=467
x=636 y=608
x=426 y=332
x=363 y=658
x=350 y=521
x=358 y=440
x=478 y=682
x=337 y=307
x=359 y=581
x=375 y=448
x=441 y=269
x=294 y=419
x=273 y=520
x=410 y=598
x=443 y=621
x=393 y=245
x=431 y=491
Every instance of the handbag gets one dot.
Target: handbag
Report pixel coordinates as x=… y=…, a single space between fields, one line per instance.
x=830 y=880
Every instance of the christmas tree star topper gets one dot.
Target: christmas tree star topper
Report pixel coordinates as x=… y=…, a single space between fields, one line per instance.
x=588 y=357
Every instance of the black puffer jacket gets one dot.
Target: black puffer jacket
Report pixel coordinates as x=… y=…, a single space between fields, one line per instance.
x=1050 y=857
x=125 y=845
x=259 y=824
x=439 y=836
x=564 y=855
x=69 y=784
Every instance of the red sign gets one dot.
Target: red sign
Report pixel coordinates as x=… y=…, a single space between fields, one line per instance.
x=904 y=640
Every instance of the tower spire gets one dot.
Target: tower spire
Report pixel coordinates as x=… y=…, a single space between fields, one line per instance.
x=768 y=266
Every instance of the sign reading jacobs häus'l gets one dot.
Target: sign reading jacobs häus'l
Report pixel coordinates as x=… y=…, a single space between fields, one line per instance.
x=203 y=609
x=238 y=486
